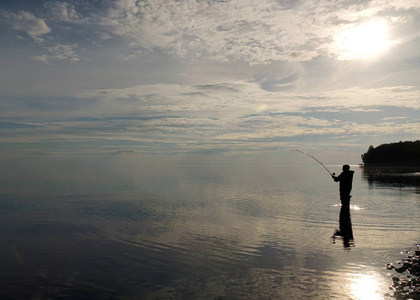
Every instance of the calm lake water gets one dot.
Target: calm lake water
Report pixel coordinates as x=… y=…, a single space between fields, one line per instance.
x=204 y=232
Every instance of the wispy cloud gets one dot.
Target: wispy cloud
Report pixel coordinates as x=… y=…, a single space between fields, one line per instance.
x=224 y=31
x=27 y=22
x=165 y=118
x=60 y=52
x=246 y=31
x=64 y=12
x=248 y=97
x=172 y=76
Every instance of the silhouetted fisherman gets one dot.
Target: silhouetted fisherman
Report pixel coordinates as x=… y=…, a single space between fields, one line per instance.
x=346 y=180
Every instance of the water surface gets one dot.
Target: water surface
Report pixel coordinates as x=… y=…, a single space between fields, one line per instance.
x=203 y=232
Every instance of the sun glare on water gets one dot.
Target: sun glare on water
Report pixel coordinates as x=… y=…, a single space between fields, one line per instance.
x=365 y=287
x=364 y=41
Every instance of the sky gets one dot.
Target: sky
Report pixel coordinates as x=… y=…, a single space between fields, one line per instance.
x=208 y=79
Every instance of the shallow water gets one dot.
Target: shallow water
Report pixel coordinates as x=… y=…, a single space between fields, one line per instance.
x=204 y=232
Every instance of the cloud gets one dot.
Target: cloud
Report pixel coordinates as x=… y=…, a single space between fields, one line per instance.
x=239 y=98
x=33 y=26
x=60 y=52
x=180 y=131
x=213 y=117
x=356 y=98
x=172 y=97
x=241 y=30
x=223 y=31
x=394 y=118
x=220 y=31
x=64 y=12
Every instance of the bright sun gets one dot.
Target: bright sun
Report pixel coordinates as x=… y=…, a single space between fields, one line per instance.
x=363 y=41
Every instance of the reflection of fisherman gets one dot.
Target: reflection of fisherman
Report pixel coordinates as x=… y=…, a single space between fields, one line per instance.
x=345 y=179
x=345 y=231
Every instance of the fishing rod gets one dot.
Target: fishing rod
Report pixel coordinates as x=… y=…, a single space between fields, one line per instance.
x=332 y=174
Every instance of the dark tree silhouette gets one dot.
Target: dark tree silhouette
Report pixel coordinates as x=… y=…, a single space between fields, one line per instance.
x=404 y=154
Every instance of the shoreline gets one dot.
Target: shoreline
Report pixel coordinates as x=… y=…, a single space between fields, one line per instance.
x=406 y=279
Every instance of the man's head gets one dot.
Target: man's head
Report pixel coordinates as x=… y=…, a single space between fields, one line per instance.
x=346 y=168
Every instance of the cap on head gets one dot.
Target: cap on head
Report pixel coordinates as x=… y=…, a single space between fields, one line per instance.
x=346 y=167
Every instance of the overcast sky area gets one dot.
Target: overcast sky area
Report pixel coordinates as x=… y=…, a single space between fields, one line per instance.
x=208 y=78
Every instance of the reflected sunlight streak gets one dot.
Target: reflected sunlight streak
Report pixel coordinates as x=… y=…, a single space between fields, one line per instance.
x=355 y=207
x=352 y=206
x=365 y=286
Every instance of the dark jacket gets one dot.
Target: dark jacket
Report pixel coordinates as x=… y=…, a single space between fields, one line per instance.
x=346 y=180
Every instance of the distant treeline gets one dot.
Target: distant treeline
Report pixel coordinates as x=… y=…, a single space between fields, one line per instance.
x=403 y=154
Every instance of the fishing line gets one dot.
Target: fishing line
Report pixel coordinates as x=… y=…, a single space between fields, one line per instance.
x=332 y=174
x=324 y=249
